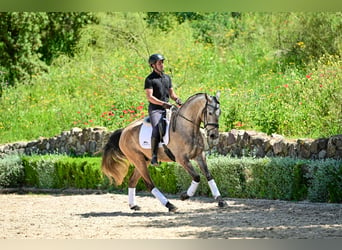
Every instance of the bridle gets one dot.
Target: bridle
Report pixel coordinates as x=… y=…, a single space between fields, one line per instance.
x=205 y=114
x=215 y=107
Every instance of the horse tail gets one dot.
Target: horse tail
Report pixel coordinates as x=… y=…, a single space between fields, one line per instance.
x=114 y=163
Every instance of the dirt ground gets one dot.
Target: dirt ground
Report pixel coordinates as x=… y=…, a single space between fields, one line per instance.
x=107 y=216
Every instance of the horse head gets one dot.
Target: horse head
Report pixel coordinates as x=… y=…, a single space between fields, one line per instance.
x=211 y=115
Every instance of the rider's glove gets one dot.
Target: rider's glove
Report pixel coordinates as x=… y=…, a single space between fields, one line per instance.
x=179 y=101
x=166 y=105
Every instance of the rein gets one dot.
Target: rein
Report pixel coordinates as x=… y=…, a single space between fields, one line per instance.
x=206 y=124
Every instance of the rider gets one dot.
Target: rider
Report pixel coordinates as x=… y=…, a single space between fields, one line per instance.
x=158 y=89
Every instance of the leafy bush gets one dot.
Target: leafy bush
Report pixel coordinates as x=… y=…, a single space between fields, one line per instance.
x=11 y=171
x=57 y=171
x=40 y=170
x=33 y=39
x=79 y=173
x=267 y=178
x=271 y=178
x=325 y=181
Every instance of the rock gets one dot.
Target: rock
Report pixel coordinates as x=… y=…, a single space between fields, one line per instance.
x=235 y=142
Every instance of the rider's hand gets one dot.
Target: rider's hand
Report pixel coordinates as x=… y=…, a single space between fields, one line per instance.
x=167 y=105
x=179 y=102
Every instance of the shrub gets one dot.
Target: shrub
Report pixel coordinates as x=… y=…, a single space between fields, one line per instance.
x=58 y=171
x=79 y=173
x=11 y=171
x=325 y=181
x=267 y=178
x=40 y=170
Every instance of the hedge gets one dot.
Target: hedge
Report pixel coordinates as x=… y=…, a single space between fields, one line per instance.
x=267 y=178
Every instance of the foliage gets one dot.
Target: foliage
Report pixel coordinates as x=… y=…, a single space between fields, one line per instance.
x=263 y=63
x=35 y=38
x=267 y=178
x=11 y=171
x=325 y=181
x=79 y=173
x=58 y=171
x=20 y=44
x=40 y=170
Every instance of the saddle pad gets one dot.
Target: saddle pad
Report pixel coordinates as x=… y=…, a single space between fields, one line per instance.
x=146 y=132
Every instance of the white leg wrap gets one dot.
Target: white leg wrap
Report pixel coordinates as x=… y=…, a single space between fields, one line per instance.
x=213 y=188
x=192 y=189
x=163 y=200
x=131 y=197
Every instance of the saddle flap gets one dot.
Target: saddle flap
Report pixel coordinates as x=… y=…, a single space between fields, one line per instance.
x=145 y=134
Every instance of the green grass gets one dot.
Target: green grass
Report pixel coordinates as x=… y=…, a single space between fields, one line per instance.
x=103 y=84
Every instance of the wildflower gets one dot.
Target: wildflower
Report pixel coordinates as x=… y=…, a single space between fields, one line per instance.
x=308 y=76
x=301 y=44
x=286 y=85
x=239 y=124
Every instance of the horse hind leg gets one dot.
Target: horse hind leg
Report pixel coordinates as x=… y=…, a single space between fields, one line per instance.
x=132 y=183
x=141 y=171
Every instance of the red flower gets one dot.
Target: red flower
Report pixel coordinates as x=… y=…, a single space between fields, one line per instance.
x=286 y=86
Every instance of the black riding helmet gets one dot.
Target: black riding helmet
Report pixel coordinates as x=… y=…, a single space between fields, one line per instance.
x=154 y=58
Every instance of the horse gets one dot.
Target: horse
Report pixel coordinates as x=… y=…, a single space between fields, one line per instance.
x=186 y=142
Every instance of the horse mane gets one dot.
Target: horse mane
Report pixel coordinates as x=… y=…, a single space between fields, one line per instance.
x=175 y=115
x=190 y=99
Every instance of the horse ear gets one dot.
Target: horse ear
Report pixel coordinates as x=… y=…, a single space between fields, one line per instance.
x=218 y=94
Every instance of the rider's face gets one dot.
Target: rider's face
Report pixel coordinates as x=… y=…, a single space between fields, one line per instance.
x=159 y=66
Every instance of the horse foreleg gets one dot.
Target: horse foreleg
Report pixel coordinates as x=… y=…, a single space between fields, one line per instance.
x=211 y=182
x=195 y=180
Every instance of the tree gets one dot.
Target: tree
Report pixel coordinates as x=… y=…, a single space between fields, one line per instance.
x=30 y=40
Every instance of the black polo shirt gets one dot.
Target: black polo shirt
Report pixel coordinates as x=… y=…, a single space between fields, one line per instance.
x=161 y=85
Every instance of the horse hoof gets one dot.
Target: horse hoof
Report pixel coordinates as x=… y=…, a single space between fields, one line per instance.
x=184 y=196
x=136 y=208
x=222 y=204
x=171 y=207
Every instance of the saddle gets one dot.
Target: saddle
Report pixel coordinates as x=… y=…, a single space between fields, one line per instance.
x=146 y=132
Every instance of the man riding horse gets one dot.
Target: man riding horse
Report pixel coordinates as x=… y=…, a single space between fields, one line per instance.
x=158 y=88
x=186 y=140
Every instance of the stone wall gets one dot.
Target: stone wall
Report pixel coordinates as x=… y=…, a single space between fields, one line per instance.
x=257 y=144
x=74 y=142
x=236 y=143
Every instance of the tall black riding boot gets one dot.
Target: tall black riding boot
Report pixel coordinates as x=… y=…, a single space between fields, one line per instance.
x=154 y=148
